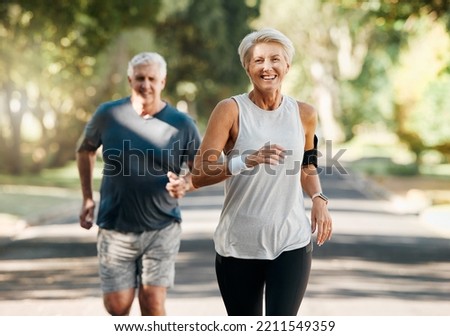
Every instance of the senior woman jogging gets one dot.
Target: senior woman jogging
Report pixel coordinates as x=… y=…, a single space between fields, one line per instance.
x=264 y=237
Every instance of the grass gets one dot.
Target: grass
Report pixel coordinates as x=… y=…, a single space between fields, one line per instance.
x=65 y=177
x=386 y=161
x=382 y=154
x=26 y=205
x=33 y=195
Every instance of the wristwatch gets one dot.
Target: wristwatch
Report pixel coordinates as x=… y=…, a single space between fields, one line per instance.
x=321 y=195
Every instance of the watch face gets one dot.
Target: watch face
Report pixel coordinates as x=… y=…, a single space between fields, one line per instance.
x=320 y=195
x=323 y=197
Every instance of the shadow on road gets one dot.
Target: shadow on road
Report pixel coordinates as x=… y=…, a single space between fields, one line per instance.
x=62 y=270
x=356 y=263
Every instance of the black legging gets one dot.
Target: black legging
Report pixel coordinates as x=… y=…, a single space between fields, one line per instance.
x=242 y=281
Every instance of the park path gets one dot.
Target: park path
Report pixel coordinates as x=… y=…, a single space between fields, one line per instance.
x=379 y=261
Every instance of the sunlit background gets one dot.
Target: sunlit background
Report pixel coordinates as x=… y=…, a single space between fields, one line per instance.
x=377 y=71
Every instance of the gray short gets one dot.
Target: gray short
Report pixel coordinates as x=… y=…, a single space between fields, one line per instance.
x=127 y=260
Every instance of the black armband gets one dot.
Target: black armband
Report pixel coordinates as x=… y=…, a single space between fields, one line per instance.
x=310 y=156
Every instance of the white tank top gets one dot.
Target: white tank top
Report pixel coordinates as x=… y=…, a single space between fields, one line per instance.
x=263 y=213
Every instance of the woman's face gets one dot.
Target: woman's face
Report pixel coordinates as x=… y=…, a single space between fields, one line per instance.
x=267 y=66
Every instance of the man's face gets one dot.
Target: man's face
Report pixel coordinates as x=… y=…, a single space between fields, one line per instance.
x=147 y=83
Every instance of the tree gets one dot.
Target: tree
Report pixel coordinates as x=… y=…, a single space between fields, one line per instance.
x=328 y=52
x=350 y=54
x=60 y=59
x=48 y=51
x=415 y=36
x=421 y=83
x=200 y=41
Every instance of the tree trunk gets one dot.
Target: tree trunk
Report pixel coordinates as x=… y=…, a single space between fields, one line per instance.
x=15 y=115
x=326 y=98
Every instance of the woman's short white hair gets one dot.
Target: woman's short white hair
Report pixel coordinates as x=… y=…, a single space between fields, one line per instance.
x=148 y=58
x=265 y=35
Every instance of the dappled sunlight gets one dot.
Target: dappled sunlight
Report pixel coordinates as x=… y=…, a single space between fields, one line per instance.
x=413 y=202
x=437 y=217
x=376 y=72
x=375 y=280
x=418 y=66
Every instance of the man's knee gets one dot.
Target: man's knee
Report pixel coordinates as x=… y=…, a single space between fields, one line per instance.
x=152 y=300
x=119 y=303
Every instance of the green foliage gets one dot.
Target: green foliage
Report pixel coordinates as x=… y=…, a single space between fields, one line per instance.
x=63 y=177
x=393 y=15
x=431 y=118
x=377 y=166
x=404 y=80
x=71 y=30
x=199 y=40
x=421 y=88
x=368 y=99
x=48 y=53
x=60 y=59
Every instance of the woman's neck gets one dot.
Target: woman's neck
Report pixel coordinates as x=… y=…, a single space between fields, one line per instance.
x=266 y=101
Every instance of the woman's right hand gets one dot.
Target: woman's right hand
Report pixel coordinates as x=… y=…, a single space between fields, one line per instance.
x=271 y=154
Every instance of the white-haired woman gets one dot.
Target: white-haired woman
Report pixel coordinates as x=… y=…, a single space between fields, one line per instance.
x=263 y=239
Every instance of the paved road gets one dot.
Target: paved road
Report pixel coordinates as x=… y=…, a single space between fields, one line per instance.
x=378 y=262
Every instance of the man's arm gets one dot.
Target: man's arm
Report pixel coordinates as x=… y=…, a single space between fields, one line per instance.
x=85 y=164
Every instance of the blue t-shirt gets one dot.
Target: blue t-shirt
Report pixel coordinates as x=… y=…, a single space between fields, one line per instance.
x=137 y=155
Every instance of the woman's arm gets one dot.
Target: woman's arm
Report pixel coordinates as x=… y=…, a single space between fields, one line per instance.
x=310 y=178
x=320 y=217
x=220 y=134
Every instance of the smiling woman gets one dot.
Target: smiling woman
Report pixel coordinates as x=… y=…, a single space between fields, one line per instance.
x=263 y=239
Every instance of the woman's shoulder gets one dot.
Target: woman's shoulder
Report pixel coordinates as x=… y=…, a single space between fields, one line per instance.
x=224 y=115
x=229 y=102
x=226 y=107
x=307 y=112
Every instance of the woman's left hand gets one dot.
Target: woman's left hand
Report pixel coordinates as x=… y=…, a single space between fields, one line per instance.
x=321 y=221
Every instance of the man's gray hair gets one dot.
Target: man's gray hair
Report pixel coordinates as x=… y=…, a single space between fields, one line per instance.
x=148 y=58
x=265 y=35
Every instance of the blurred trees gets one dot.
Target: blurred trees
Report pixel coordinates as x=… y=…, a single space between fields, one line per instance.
x=60 y=59
x=406 y=74
x=378 y=62
x=48 y=56
x=199 y=40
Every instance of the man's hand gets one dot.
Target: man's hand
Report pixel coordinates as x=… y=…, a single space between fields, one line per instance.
x=87 y=214
x=177 y=185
